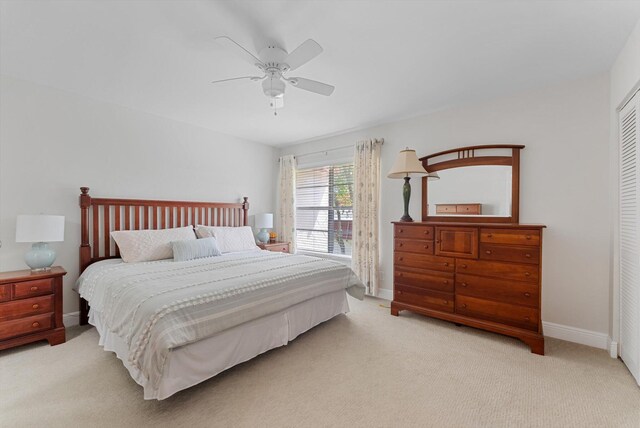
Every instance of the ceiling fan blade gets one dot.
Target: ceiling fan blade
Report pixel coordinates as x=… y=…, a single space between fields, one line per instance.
x=303 y=54
x=254 y=78
x=311 y=85
x=236 y=48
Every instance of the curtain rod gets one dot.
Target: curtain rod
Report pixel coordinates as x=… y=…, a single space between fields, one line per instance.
x=381 y=141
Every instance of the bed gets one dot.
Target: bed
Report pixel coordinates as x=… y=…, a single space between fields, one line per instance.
x=175 y=324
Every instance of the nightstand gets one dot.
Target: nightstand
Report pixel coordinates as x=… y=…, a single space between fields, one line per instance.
x=31 y=307
x=281 y=247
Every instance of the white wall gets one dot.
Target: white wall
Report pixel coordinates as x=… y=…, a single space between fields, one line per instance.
x=53 y=142
x=625 y=79
x=563 y=183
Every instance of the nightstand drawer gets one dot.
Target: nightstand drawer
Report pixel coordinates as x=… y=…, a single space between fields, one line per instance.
x=26 y=307
x=24 y=326
x=5 y=292
x=37 y=287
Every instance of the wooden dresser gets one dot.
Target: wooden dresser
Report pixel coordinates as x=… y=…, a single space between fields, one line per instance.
x=31 y=307
x=486 y=276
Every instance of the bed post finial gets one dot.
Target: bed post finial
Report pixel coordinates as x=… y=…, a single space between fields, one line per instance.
x=245 y=209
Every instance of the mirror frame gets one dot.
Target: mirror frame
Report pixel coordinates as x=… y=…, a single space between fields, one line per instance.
x=467 y=157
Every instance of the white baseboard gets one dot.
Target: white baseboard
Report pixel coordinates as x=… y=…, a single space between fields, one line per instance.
x=385 y=293
x=578 y=335
x=70 y=319
x=612 y=346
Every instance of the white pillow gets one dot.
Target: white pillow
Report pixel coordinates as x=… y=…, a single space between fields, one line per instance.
x=230 y=239
x=148 y=245
x=195 y=249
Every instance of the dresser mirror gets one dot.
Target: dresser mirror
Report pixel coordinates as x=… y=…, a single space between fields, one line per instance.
x=478 y=184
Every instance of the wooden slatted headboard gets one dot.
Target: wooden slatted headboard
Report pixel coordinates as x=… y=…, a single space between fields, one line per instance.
x=137 y=214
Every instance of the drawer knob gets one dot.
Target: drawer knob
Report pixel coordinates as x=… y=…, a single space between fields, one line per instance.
x=527 y=255
x=35 y=306
x=34 y=288
x=426 y=232
x=488 y=251
x=446 y=263
x=401 y=258
x=527 y=318
x=445 y=281
x=399 y=292
x=527 y=294
x=35 y=324
x=464 y=305
x=401 y=230
x=464 y=266
x=437 y=241
x=426 y=247
x=464 y=284
x=446 y=302
x=401 y=244
x=400 y=274
x=528 y=237
x=527 y=274
x=489 y=235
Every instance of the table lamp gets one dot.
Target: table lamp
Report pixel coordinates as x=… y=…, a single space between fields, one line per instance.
x=408 y=163
x=40 y=229
x=264 y=222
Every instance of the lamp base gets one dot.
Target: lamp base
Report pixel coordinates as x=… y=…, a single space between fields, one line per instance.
x=263 y=236
x=406 y=218
x=40 y=257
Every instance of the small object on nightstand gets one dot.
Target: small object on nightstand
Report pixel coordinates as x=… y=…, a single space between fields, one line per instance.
x=40 y=229
x=272 y=237
x=264 y=222
x=281 y=247
x=31 y=307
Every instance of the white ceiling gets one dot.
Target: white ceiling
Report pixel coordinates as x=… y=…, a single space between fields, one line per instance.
x=387 y=59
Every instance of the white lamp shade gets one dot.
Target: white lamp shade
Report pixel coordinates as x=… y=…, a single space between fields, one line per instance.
x=40 y=228
x=264 y=221
x=406 y=163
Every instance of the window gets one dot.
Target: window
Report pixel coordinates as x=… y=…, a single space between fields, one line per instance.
x=324 y=209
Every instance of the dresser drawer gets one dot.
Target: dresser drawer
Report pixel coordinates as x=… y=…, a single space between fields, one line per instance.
x=510 y=253
x=446 y=209
x=413 y=232
x=36 y=287
x=518 y=316
x=413 y=246
x=5 y=292
x=519 y=272
x=516 y=292
x=423 y=261
x=424 y=298
x=510 y=236
x=469 y=209
x=432 y=280
x=24 y=326
x=26 y=307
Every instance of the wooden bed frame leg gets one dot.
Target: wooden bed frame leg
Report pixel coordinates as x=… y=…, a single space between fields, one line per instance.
x=84 y=312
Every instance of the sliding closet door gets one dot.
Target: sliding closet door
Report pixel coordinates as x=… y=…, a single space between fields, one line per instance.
x=630 y=236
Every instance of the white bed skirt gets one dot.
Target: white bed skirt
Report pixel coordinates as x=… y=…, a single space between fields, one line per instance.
x=194 y=363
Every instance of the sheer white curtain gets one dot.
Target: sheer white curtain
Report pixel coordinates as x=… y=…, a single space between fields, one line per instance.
x=365 y=257
x=286 y=223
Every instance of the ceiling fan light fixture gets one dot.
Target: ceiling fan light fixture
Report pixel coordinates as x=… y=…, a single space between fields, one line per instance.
x=273 y=87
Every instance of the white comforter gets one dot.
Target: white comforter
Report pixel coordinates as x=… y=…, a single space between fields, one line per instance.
x=157 y=306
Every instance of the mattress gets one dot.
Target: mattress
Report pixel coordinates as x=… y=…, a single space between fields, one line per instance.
x=145 y=311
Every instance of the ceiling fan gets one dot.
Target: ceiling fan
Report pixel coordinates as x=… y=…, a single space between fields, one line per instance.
x=274 y=63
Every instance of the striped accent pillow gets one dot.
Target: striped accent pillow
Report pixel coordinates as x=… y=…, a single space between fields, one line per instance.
x=195 y=249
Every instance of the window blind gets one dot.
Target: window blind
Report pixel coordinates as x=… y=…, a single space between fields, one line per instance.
x=324 y=209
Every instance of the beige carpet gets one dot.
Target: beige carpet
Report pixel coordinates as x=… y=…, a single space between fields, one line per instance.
x=363 y=369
